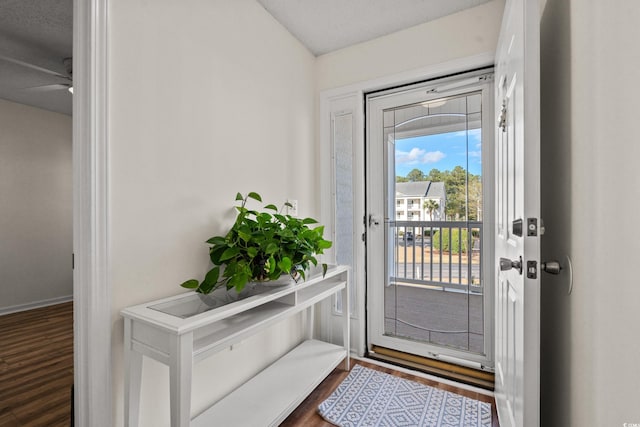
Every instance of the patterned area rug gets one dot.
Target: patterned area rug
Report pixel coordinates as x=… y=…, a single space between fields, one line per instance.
x=372 y=398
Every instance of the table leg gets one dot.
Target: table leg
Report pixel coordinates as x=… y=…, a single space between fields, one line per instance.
x=180 y=370
x=132 y=378
x=346 y=318
x=310 y=322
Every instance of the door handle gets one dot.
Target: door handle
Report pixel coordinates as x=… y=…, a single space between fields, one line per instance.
x=373 y=220
x=551 y=267
x=506 y=264
x=564 y=271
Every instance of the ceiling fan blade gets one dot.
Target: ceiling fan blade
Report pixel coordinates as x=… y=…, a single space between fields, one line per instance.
x=33 y=67
x=46 y=88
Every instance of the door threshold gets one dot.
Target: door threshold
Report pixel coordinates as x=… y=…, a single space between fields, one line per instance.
x=450 y=371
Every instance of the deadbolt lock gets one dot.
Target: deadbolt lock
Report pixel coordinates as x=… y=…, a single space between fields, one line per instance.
x=506 y=264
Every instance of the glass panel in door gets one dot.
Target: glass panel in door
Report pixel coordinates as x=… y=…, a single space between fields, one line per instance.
x=432 y=298
x=435 y=173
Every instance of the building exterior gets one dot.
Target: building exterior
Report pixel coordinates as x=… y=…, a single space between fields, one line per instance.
x=412 y=201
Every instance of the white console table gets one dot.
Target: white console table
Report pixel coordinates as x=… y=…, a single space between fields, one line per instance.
x=180 y=331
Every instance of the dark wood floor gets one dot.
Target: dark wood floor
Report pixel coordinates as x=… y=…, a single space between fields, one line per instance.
x=36 y=367
x=306 y=414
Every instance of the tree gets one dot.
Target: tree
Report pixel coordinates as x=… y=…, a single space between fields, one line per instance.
x=401 y=179
x=456 y=188
x=431 y=206
x=416 y=175
x=435 y=175
x=475 y=198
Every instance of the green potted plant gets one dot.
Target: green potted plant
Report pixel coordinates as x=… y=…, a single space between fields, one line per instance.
x=261 y=246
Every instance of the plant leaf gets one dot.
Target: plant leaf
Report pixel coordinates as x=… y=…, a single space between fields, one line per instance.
x=263 y=218
x=229 y=253
x=239 y=280
x=190 y=284
x=212 y=276
x=324 y=269
x=272 y=207
x=324 y=244
x=255 y=196
x=206 y=288
x=239 y=197
x=216 y=252
x=285 y=264
x=309 y=235
x=217 y=240
x=271 y=249
x=309 y=221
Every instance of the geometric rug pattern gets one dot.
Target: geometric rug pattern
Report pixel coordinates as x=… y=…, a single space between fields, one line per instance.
x=372 y=398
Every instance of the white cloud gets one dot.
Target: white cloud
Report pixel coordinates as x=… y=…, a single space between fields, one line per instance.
x=433 y=157
x=418 y=156
x=475 y=153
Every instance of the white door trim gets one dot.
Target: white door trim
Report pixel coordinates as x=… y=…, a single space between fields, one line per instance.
x=91 y=288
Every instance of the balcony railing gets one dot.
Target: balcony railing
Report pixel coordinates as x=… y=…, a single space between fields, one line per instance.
x=442 y=254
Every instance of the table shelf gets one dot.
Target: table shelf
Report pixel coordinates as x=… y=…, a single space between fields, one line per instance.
x=179 y=332
x=295 y=376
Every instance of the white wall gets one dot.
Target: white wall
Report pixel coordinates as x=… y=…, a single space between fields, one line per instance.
x=206 y=99
x=591 y=197
x=470 y=32
x=35 y=206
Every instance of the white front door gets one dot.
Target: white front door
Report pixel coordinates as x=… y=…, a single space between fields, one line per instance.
x=517 y=241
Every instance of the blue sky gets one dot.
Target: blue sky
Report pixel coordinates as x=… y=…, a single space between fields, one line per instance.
x=442 y=151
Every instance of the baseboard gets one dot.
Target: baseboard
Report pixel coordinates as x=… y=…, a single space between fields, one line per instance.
x=35 y=304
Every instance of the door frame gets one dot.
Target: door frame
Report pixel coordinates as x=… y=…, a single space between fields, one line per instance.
x=354 y=94
x=91 y=287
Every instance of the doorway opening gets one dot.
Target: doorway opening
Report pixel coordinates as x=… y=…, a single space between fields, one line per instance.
x=36 y=213
x=429 y=155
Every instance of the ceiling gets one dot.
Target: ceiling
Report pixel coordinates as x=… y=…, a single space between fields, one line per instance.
x=40 y=33
x=327 y=25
